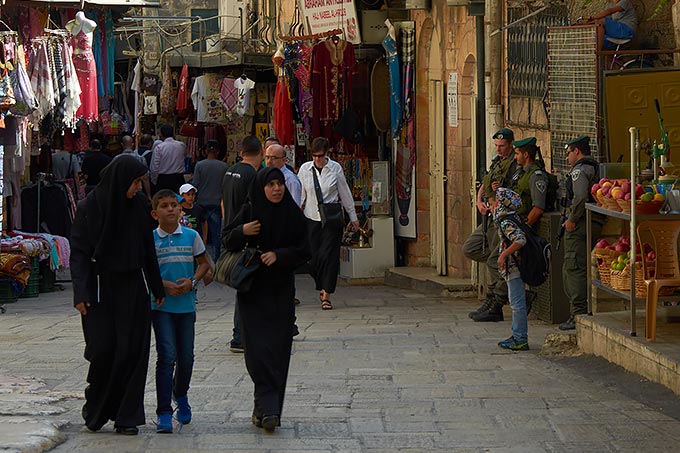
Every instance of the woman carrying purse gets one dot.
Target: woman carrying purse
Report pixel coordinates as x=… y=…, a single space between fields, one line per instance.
x=325 y=177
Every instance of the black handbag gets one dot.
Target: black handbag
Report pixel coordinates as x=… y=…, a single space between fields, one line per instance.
x=331 y=214
x=237 y=268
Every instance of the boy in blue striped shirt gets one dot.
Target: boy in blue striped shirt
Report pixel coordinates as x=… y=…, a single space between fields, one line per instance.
x=173 y=321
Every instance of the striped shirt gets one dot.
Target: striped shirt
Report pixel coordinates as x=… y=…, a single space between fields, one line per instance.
x=176 y=252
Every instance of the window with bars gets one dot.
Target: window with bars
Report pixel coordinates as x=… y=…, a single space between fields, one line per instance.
x=528 y=50
x=200 y=30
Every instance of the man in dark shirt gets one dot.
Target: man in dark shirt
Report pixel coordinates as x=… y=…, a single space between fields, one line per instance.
x=235 y=186
x=94 y=162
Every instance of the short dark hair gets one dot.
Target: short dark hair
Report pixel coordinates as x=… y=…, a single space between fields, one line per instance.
x=530 y=149
x=163 y=193
x=251 y=146
x=146 y=140
x=212 y=146
x=320 y=144
x=95 y=144
x=583 y=146
x=167 y=131
x=272 y=138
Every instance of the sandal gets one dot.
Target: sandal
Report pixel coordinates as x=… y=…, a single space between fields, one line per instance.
x=326 y=305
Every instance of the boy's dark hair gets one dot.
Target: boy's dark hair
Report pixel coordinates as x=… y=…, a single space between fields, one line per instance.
x=95 y=144
x=163 y=193
x=251 y=146
x=320 y=144
x=167 y=131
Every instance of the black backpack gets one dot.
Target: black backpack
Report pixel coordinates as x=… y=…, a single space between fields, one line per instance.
x=534 y=265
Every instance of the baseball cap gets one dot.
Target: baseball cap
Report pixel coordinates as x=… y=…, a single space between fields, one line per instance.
x=504 y=134
x=184 y=188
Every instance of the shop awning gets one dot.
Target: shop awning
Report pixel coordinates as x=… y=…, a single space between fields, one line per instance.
x=150 y=3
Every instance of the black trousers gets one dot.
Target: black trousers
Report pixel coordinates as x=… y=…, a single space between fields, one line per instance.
x=117 y=334
x=325 y=263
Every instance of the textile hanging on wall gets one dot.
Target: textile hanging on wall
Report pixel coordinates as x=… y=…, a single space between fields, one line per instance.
x=332 y=68
x=406 y=151
x=390 y=46
x=205 y=96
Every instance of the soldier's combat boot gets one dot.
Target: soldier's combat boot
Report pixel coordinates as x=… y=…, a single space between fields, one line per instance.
x=488 y=302
x=493 y=314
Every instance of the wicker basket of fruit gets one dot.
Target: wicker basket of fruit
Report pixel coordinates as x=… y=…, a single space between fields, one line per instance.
x=624 y=205
x=648 y=207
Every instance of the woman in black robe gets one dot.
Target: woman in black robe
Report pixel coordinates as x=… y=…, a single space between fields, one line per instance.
x=275 y=224
x=113 y=267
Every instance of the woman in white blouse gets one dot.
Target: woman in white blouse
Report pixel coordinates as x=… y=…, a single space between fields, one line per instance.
x=324 y=241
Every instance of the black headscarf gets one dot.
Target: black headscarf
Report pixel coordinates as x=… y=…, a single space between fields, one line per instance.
x=117 y=226
x=278 y=221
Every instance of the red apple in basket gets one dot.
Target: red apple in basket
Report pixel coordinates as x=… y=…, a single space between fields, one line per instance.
x=626 y=186
x=647 y=247
x=639 y=190
x=651 y=256
x=601 y=244
x=626 y=197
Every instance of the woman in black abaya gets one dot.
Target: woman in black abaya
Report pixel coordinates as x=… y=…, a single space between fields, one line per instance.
x=113 y=267
x=275 y=224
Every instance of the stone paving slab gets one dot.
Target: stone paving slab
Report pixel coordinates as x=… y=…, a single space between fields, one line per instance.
x=388 y=369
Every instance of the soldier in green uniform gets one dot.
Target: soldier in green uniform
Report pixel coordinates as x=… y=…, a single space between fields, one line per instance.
x=482 y=245
x=532 y=184
x=584 y=173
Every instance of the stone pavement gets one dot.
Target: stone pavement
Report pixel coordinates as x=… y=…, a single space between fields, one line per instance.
x=388 y=369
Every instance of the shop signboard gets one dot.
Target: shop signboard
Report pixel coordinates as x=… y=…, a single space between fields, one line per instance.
x=452 y=99
x=325 y=15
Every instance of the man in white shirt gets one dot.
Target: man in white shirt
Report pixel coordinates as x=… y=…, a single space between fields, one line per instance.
x=167 y=162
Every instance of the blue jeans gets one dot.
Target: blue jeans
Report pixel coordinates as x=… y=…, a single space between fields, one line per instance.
x=214 y=216
x=615 y=29
x=518 y=304
x=175 y=348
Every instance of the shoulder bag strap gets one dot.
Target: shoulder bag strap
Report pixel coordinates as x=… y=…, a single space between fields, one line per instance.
x=317 y=187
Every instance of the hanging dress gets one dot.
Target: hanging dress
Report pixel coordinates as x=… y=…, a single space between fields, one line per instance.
x=283 y=115
x=86 y=70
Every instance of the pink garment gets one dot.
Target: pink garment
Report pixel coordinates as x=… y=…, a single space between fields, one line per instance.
x=86 y=70
x=228 y=94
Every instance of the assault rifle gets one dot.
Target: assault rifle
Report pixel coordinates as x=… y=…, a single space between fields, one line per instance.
x=563 y=218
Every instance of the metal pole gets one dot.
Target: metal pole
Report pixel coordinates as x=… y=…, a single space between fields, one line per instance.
x=481 y=96
x=633 y=175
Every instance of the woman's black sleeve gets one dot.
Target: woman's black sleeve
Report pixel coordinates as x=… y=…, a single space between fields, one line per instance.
x=232 y=234
x=83 y=271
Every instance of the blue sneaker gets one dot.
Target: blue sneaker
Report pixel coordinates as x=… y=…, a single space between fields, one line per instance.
x=164 y=423
x=514 y=345
x=183 y=410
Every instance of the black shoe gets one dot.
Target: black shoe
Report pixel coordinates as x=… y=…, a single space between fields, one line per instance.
x=296 y=331
x=569 y=324
x=257 y=421
x=236 y=347
x=530 y=297
x=493 y=314
x=488 y=302
x=270 y=422
x=127 y=430
x=296 y=301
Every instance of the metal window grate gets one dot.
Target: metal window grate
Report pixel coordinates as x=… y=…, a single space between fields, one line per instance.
x=572 y=89
x=527 y=49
